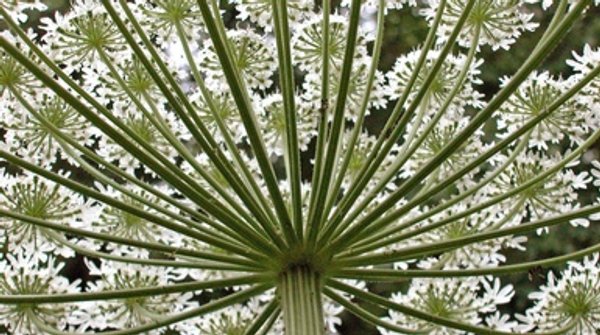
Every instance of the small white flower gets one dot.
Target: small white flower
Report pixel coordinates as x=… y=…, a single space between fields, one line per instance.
x=570 y=121
x=272 y=118
x=447 y=298
x=574 y=298
x=21 y=274
x=131 y=312
x=259 y=11
x=501 y=21
x=253 y=55
x=83 y=36
x=42 y=199
x=307 y=43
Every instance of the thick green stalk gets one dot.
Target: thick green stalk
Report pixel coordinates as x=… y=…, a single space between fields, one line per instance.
x=301 y=302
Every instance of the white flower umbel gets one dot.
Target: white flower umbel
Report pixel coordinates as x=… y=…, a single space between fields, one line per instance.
x=253 y=55
x=571 y=301
x=258 y=11
x=28 y=135
x=216 y=165
x=501 y=21
x=572 y=121
x=35 y=197
x=23 y=275
x=451 y=299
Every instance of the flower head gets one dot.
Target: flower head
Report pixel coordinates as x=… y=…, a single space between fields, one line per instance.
x=571 y=302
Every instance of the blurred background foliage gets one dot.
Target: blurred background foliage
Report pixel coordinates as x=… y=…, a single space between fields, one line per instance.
x=404 y=32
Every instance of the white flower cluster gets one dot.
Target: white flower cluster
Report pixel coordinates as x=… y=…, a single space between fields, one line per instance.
x=570 y=302
x=160 y=152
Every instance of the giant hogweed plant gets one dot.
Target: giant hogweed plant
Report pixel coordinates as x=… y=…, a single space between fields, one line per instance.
x=192 y=136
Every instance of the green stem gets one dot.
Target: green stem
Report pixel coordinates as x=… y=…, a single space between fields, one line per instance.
x=212 y=306
x=56 y=237
x=128 y=140
x=301 y=302
x=381 y=238
x=391 y=217
x=262 y=320
x=482 y=205
x=60 y=138
x=205 y=139
x=243 y=264
x=243 y=102
x=200 y=233
x=269 y=323
x=322 y=131
x=443 y=246
x=286 y=69
x=370 y=317
x=326 y=32
x=376 y=275
x=249 y=197
x=219 y=228
x=558 y=14
x=408 y=148
x=356 y=131
x=169 y=172
x=194 y=214
x=55 y=298
x=64 y=139
x=159 y=123
x=364 y=175
x=338 y=119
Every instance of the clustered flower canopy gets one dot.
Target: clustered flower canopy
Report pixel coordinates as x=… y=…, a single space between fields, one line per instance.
x=220 y=179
